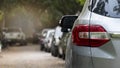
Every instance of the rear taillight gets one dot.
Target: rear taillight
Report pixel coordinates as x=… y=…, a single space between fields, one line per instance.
x=89 y=35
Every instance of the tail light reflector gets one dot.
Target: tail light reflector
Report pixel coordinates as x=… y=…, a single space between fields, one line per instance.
x=89 y=35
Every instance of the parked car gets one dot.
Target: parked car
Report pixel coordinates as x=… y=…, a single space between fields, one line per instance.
x=95 y=38
x=46 y=39
x=14 y=35
x=62 y=45
x=42 y=37
x=35 y=37
x=63 y=41
x=56 y=40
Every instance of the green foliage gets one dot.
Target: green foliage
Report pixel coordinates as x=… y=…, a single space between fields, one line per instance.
x=82 y=2
x=1 y=15
x=55 y=8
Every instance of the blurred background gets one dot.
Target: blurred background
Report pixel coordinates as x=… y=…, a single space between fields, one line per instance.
x=34 y=15
x=30 y=33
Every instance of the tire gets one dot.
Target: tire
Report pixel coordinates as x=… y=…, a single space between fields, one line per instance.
x=42 y=47
x=10 y=43
x=45 y=49
x=23 y=42
x=63 y=57
x=48 y=50
x=59 y=54
x=54 y=51
x=4 y=44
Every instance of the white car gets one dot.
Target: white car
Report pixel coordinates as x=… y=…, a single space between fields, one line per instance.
x=47 y=39
x=14 y=35
x=56 y=40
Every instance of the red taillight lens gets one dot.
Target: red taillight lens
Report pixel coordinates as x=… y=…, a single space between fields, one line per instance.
x=89 y=35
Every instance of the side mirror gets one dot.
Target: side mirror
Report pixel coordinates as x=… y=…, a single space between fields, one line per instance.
x=67 y=22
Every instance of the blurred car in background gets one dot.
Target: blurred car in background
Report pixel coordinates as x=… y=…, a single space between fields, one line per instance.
x=48 y=40
x=45 y=39
x=42 y=37
x=66 y=32
x=14 y=35
x=62 y=45
x=35 y=37
x=56 y=40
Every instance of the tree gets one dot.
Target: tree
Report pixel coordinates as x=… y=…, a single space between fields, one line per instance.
x=55 y=8
x=1 y=15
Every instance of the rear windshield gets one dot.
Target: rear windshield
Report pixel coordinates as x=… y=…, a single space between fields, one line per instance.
x=13 y=30
x=110 y=8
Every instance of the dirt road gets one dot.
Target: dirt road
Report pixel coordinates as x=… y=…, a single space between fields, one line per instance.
x=28 y=56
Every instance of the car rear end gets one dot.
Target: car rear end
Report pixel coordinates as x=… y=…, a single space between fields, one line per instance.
x=79 y=56
x=14 y=37
x=42 y=38
x=56 y=40
x=49 y=39
x=95 y=39
x=107 y=55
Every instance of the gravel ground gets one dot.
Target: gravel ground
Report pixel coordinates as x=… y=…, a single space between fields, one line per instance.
x=28 y=56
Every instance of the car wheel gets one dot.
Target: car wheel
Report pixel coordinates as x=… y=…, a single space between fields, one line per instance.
x=10 y=43
x=54 y=51
x=60 y=52
x=48 y=50
x=4 y=44
x=42 y=47
x=63 y=56
x=23 y=42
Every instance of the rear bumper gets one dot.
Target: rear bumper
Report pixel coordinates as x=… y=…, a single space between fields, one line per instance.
x=14 y=40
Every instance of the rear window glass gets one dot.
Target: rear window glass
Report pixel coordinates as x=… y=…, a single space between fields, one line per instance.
x=110 y=8
x=13 y=30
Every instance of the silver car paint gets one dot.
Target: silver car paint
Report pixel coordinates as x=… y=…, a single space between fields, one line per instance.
x=48 y=38
x=109 y=56
x=106 y=56
x=79 y=57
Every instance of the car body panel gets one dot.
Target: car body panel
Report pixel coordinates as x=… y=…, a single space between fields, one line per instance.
x=79 y=57
x=14 y=35
x=105 y=56
x=48 y=38
x=63 y=44
x=56 y=40
x=109 y=56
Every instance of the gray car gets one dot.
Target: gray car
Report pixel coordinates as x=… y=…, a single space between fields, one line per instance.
x=95 y=38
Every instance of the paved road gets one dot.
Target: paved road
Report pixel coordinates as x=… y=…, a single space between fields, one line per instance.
x=28 y=56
